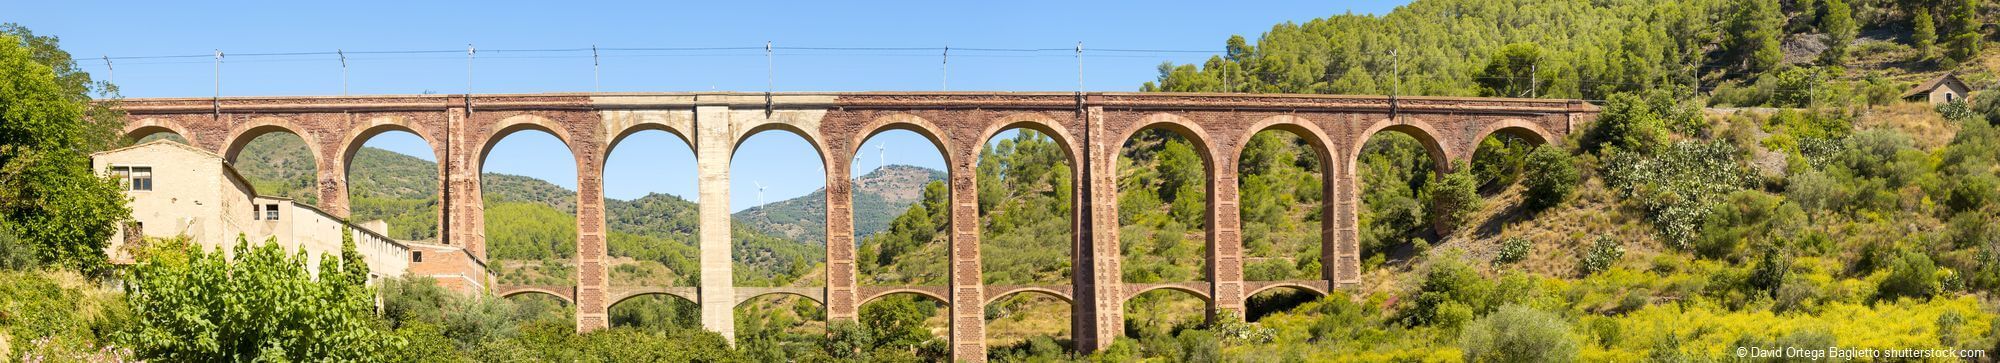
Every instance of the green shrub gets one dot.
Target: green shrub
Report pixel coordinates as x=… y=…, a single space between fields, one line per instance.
x=1747 y=215
x=1453 y=199
x=1911 y=274
x=1551 y=177
x=276 y=309
x=1988 y=105
x=14 y=255
x=1606 y=252
x=1735 y=94
x=1518 y=334
x=1513 y=249
x=1451 y=294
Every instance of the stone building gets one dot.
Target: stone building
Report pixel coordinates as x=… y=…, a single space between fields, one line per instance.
x=1944 y=89
x=180 y=190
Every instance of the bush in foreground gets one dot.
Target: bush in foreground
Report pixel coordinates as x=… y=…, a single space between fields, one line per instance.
x=1518 y=334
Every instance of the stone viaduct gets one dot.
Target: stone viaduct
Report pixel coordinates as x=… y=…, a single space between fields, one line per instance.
x=1091 y=126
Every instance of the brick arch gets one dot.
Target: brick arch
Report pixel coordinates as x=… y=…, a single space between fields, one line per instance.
x=518 y=123
x=747 y=299
x=359 y=135
x=1197 y=293
x=1188 y=129
x=1303 y=128
x=151 y=125
x=244 y=133
x=811 y=137
x=919 y=292
x=1423 y=131
x=633 y=295
x=1039 y=123
x=1324 y=150
x=612 y=145
x=1199 y=140
x=1513 y=126
x=1315 y=290
x=911 y=123
x=1055 y=131
x=1059 y=295
x=537 y=290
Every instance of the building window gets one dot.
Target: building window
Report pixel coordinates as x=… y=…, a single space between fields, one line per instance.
x=416 y=256
x=139 y=178
x=270 y=212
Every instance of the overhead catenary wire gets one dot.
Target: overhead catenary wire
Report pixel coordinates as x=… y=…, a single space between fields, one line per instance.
x=598 y=54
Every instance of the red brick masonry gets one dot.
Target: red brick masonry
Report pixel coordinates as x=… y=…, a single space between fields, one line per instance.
x=1092 y=126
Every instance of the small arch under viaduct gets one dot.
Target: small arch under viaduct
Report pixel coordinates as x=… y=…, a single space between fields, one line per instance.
x=1092 y=126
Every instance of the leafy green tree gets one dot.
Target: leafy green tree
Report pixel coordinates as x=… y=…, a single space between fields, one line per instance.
x=896 y=326
x=261 y=305
x=1838 y=24
x=49 y=197
x=656 y=313
x=1630 y=123
x=1514 y=72
x=1499 y=160
x=1551 y=177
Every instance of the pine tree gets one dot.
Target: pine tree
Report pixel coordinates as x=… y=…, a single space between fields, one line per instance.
x=1965 y=41
x=1755 y=28
x=1926 y=33
x=1838 y=23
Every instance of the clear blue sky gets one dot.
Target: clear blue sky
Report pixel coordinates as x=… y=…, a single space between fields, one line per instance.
x=651 y=162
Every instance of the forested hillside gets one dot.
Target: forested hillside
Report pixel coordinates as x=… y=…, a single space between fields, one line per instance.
x=1664 y=231
x=878 y=197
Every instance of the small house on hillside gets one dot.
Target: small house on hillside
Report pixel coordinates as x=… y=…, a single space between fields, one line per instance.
x=1944 y=89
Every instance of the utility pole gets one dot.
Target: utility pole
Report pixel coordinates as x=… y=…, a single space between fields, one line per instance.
x=343 y=70
x=947 y=67
x=218 y=75
x=596 y=78
x=470 y=52
x=1079 y=69
x=770 y=70
x=1396 y=82
x=1534 y=83
x=110 y=74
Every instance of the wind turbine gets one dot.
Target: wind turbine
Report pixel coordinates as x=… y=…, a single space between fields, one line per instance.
x=881 y=156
